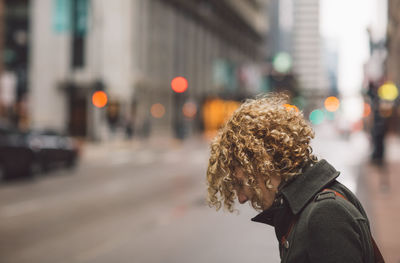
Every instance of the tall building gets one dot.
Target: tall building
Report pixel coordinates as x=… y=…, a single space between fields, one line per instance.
x=280 y=14
x=295 y=33
x=307 y=47
x=132 y=50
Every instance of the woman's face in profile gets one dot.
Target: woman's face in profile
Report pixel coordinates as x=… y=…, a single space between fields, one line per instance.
x=245 y=192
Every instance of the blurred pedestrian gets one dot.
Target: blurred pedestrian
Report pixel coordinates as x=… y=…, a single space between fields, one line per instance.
x=129 y=128
x=146 y=127
x=379 y=125
x=263 y=155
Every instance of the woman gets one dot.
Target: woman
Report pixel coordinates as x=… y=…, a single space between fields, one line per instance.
x=263 y=155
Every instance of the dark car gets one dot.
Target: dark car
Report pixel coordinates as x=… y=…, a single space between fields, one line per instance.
x=27 y=153
x=53 y=149
x=16 y=157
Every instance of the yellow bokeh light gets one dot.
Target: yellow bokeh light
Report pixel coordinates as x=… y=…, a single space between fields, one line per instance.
x=388 y=91
x=157 y=110
x=215 y=113
x=230 y=107
x=332 y=104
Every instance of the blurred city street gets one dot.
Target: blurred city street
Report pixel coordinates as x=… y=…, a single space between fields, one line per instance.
x=126 y=203
x=144 y=202
x=107 y=109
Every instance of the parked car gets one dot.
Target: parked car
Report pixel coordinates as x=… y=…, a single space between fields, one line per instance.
x=53 y=149
x=28 y=153
x=16 y=157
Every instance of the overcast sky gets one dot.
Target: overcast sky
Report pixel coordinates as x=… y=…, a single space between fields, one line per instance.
x=347 y=23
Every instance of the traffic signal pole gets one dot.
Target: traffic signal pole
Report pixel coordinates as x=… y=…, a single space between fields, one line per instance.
x=179 y=85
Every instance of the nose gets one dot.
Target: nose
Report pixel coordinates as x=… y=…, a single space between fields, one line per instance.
x=242 y=198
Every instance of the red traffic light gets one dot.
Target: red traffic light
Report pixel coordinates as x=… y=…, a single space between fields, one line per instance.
x=179 y=84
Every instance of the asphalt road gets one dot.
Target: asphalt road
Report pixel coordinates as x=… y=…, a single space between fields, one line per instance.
x=144 y=203
x=127 y=203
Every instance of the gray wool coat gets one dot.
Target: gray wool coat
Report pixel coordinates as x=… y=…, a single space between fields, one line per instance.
x=313 y=225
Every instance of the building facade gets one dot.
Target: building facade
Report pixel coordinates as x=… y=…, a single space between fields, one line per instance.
x=132 y=50
x=307 y=48
x=295 y=34
x=14 y=47
x=393 y=41
x=392 y=63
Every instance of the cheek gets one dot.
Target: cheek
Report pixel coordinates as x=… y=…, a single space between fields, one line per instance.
x=241 y=191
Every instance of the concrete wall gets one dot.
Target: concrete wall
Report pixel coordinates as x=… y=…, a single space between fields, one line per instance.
x=117 y=45
x=48 y=64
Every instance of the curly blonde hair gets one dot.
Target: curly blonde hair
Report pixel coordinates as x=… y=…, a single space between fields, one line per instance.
x=263 y=136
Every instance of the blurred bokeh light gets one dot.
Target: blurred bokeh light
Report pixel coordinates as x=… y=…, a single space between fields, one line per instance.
x=367 y=110
x=317 y=117
x=179 y=84
x=189 y=110
x=157 y=110
x=388 y=91
x=282 y=62
x=99 y=99
x=332 y=104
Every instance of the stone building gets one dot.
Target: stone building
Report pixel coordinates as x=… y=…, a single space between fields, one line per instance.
x=132 y=50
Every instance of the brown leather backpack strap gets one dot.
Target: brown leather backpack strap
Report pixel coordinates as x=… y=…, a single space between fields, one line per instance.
x=290 y=228
x=378 y=258
x=336 y=193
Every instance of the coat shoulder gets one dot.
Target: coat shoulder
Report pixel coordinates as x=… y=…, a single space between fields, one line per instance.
x=327 y=206
x=333 y=229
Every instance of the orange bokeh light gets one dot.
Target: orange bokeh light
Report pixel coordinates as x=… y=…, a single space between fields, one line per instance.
x=215 y=113
x=189 y=110
x=99 y=99
x=179 y=84
x=157 y=110
x=367 y=110
x=289 y=107
x=332 y=104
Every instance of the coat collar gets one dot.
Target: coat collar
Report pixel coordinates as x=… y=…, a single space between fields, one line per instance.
x=301 y=190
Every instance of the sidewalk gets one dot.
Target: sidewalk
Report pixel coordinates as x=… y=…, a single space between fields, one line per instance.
x=96 y=150
x=384 y=196
x=380 y=187
x=377 y=188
